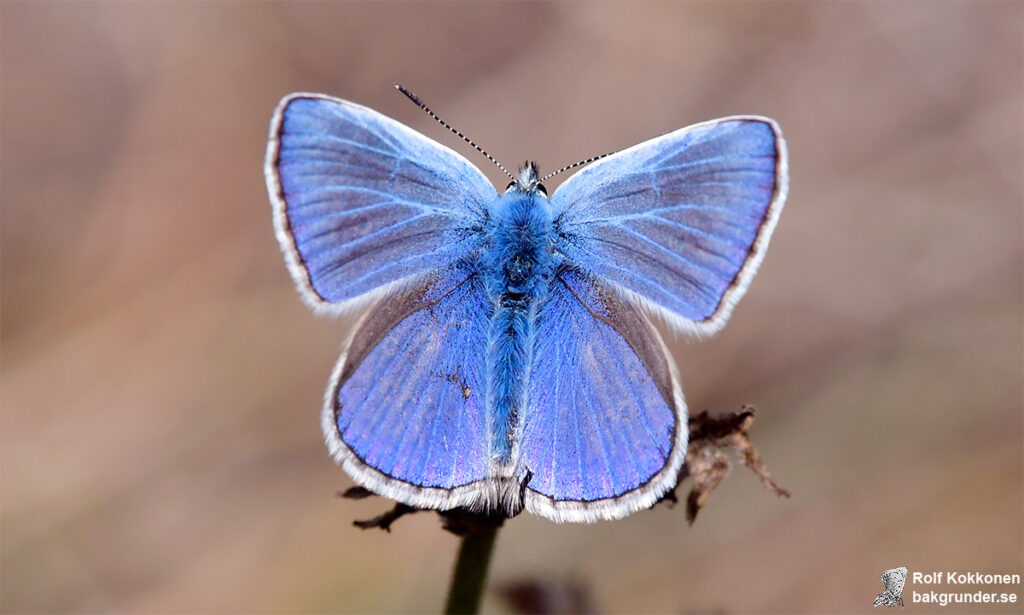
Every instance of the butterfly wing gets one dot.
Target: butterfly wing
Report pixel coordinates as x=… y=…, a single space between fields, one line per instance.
x=894 y=580
x=605 y=431
x=679 y=223
x=363 y=204
x=404 y=412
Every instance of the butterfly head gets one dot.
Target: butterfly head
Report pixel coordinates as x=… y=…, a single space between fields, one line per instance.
x=528 y=180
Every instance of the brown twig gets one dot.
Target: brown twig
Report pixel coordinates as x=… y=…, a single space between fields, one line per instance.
x=711 y=437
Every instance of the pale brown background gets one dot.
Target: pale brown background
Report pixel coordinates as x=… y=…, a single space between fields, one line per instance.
x=162 y=381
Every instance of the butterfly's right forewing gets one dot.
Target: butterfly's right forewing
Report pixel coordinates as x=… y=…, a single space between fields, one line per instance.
x=679 y=223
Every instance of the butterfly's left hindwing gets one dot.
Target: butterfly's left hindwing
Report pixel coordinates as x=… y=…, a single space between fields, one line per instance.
x=363 y=204
x=405 y=411
x=679 y=223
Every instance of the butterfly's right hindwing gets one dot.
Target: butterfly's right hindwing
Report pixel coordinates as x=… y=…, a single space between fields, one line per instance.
x=605 y=431
x=363 y=204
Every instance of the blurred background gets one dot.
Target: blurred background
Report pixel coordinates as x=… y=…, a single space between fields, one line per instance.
x=161 y=385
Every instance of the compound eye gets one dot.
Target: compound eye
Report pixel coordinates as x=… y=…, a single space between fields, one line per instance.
x=510 y=186
x=541 y=188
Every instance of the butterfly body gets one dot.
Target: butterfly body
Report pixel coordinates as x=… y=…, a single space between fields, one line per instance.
x=507 y=360
x=516 y=264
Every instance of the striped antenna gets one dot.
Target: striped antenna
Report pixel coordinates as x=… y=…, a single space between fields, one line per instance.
x=574 y=165
x=416 y=99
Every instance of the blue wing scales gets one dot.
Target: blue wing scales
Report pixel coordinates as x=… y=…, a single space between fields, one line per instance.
x=405 y=410
x=362 y=203
x=679 y=223
x=605 y=432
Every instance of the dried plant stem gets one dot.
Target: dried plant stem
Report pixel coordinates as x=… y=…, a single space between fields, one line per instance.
x=470 y=571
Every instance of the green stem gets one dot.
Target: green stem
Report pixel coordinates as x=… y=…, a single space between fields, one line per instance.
x=470 y=572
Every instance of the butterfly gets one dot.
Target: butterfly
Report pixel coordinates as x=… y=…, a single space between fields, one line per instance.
x=507 y=359
x=893 y=580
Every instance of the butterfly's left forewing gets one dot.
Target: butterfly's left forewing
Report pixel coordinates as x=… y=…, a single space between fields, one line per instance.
x=680 y=223
x=364 y=205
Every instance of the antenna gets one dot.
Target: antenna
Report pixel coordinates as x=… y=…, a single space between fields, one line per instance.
x=574 y=165
x=419 y=103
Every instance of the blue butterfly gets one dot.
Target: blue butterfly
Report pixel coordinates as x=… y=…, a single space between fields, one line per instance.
x=508 y=360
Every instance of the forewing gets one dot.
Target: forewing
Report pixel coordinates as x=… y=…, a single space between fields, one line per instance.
x=680 y=222
x=404 y=413
x=605 y=430
x=363 y=203
x=894 y=580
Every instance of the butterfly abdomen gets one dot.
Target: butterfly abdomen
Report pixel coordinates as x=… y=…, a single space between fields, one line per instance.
x=517 y=266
